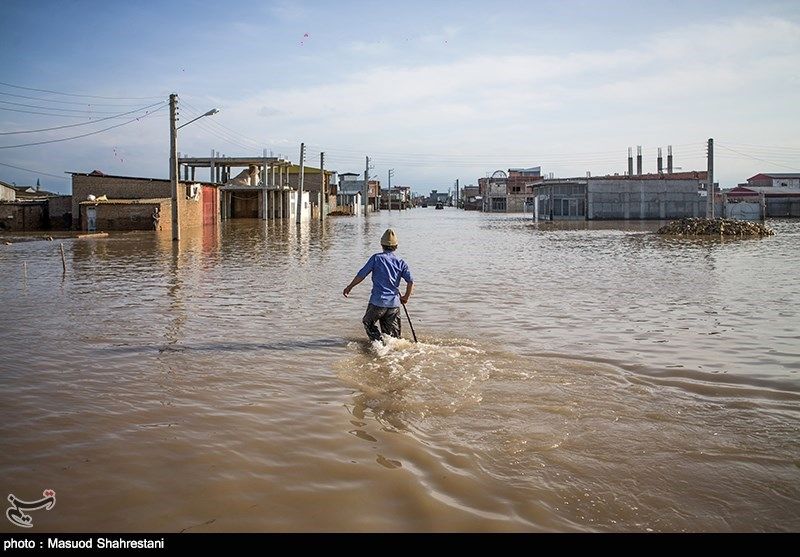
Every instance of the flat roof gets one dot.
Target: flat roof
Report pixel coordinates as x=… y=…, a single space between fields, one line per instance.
x=165 y=180
x=150 y=201
x=231 y=161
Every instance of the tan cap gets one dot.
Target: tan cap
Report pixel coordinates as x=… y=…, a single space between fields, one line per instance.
x=389 y=238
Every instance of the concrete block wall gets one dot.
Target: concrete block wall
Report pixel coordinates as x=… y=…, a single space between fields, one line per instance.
x=643 y=199
x=783 y=207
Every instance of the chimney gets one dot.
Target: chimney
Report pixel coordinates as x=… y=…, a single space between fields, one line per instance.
x=669 y=159
x=638 y=160
x=660 y=162
x=630 y=161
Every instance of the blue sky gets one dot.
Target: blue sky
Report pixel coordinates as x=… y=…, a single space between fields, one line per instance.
x=436 y=90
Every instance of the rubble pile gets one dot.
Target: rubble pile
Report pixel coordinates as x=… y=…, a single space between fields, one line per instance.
x=714 y=227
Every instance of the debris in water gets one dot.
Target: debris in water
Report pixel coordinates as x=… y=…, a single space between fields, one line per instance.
x=714 y=227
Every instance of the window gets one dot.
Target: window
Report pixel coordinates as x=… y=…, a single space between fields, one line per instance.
x=498 y=204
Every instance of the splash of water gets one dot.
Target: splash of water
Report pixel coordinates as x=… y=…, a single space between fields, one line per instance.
x=404 y=379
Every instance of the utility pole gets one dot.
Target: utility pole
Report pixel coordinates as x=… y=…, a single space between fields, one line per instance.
x=391 y=173
x=366 y=187
x=300 y=183
x=173 y=163
x=710 y=188
x=457 y=198
x=323 y=188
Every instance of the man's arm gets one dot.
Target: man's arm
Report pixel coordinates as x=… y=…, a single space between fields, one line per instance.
x=356 y=280
x=409 y=288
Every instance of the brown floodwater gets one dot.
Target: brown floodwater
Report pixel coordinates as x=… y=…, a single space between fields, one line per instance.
x=584 y=377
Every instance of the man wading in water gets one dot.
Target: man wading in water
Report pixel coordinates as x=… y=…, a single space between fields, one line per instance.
x=384 y=304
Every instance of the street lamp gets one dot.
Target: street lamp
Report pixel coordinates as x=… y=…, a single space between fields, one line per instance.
x=209 y=113
x=173 y=158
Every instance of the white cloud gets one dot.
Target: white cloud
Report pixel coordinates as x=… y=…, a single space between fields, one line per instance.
x=735 y=79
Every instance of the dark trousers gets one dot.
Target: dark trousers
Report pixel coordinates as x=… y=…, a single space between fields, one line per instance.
x=389 y=318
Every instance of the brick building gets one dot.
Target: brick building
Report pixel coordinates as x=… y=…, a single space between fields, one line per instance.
x=133 y=203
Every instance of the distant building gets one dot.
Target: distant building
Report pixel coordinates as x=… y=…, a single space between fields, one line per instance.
x=32 y=208
x=780 y=201
x=400 y=197
x=509 y=192
x=775 y=180
x=638 y=197
x=312 y=184
x=439 y=197
x=350 y=185
x=470 y=198
x=7 y=192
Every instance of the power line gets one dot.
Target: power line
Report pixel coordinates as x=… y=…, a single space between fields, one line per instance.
x=83 y=123
x=77 y=95
x=58 y=108
x=34 y=171
x=758 y=159
x=44 y=113
x=79 y=103
x=82 y=135
x=765 y=147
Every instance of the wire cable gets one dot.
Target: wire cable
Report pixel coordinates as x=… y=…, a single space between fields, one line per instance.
x=82 y=135
x=58 y=108
x=757 y=158
x=34 y=171
x=83 y=123
x=79 y=103
x=82 y=96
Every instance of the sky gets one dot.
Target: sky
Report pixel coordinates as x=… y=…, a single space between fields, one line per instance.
x=436 y=90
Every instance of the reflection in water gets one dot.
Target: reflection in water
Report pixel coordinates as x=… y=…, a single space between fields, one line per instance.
x=569 y=376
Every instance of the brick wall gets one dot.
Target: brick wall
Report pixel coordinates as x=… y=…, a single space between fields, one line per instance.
x=60 y=212
x=139 y=216
x=191 y=210
x=114 y=188
x=23 y=215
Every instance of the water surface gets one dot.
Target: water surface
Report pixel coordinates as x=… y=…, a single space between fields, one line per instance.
x=589 y=376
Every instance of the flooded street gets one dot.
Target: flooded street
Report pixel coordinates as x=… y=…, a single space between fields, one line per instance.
x=569 y=377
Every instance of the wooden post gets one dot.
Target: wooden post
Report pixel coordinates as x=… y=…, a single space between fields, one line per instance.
x=323 y=188
x=63 y=259
x=300 y=183
x=25 y=269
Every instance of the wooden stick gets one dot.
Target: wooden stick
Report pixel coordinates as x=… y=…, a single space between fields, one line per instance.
x=63 y=260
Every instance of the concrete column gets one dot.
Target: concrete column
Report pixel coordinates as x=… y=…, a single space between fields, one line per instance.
x=211 y=169
x=193 y=174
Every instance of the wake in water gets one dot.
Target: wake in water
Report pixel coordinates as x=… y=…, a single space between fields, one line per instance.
x=436 y=377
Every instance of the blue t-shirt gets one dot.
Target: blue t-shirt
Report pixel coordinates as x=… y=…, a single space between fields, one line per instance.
x=387 y=269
